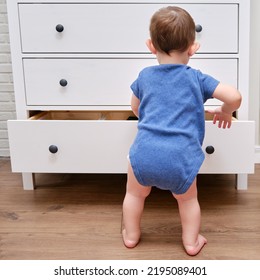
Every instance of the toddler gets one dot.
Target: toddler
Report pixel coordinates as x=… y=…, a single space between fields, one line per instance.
x=168 y=100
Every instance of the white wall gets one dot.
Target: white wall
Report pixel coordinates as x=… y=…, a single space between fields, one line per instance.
x=7 y=106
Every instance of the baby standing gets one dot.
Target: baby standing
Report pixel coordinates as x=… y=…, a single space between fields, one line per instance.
x=169 y=101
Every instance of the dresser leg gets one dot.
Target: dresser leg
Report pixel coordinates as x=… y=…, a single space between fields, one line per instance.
x=28 y=181
x=242 y=181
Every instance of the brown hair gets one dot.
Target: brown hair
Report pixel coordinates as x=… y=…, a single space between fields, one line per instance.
x=172 y=28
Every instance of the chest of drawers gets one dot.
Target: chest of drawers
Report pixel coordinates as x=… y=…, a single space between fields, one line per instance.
x=73 y=64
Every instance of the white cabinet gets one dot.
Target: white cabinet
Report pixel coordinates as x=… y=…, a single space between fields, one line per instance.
x=73 y=64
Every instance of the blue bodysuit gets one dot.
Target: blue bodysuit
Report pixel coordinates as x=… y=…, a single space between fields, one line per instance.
x=167 y=152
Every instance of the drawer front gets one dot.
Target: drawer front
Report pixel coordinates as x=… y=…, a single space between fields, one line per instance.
x=111 y=86
x=83 y=146
x=102 y=146
x=101 y=82
x=118 y=28
x=233 y=148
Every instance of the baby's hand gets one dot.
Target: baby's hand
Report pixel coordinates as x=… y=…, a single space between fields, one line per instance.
x=224 y=119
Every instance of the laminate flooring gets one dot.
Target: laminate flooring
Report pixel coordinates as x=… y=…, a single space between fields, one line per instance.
x=78 y=217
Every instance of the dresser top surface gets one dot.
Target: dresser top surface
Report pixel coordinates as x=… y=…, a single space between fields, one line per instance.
x=133 y=1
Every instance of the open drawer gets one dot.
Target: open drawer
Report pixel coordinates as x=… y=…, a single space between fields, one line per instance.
x=229 y=150
x=98 y=142
x=72 y=142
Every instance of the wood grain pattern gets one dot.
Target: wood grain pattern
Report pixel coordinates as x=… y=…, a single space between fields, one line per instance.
x=77 y=216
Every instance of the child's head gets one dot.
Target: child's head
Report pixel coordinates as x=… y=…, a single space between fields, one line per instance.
x=172 y=29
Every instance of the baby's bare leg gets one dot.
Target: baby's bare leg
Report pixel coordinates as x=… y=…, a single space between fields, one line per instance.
x=190 y=219
x=133 y=206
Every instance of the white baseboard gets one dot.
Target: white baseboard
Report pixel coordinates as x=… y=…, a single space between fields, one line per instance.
x=257 y=154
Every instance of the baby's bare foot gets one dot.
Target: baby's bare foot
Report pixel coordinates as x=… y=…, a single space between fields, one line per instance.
x=194 y=250
x=130 y=243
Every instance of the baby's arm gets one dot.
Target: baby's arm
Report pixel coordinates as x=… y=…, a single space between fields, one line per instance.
x=231 y=99
x=135 y=102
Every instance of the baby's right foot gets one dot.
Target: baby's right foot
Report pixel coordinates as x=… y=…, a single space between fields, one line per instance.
x=130 y=243
x=194 y=250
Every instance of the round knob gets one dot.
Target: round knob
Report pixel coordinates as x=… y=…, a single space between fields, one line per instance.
x=53 y=149
x=198 y=28
x=63 y=82
x=210 y=150
x=59 y=27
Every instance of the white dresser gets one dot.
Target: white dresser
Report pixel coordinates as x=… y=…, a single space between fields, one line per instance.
x=73 y=63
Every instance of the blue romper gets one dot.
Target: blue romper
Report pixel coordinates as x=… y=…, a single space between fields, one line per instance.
x=167 y=152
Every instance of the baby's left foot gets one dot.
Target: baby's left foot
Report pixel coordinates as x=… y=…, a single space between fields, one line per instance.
x=194 y=250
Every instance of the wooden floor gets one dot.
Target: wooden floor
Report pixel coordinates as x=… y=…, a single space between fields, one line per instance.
x=78 y=217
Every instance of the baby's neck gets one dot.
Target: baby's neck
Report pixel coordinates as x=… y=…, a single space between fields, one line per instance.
x=173 y=58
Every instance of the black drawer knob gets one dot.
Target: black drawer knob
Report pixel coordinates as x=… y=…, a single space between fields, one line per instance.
x=210 y=150
x=59 y=27
x=198 y=28
x=63 y=82
x=53 y=149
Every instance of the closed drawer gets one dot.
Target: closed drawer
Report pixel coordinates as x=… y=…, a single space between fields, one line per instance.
x=88 y=145
x=103 y=82
x=118 y=28
x=98 y=142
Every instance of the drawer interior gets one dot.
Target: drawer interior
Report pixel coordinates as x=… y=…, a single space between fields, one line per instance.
x=93 y=115
x=209 y=117
x=84 y=115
